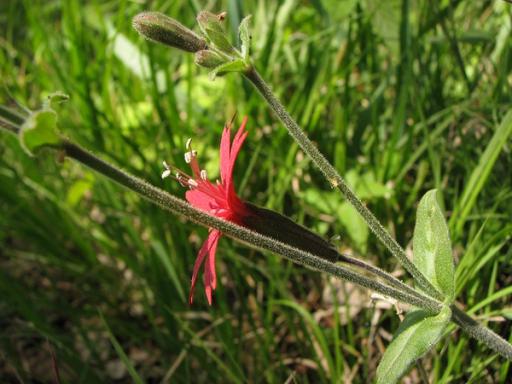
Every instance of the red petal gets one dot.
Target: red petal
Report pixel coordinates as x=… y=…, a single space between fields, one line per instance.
x=224 y=152
x=209 y=247
x=235 y=149
x=210 y=276
x=199 y=260
x=199 y=199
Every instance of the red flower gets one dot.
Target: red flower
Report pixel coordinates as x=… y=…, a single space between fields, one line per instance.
x=219 y=199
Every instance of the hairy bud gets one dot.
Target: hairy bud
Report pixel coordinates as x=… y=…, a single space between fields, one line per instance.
x=208 y=59
x=158 y=27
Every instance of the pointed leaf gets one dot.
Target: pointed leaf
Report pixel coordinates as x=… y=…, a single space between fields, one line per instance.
x=232 y=66
x=39 y=130
x=245 y=36
x=432 y=251
x=54 y=99
x=417 y=334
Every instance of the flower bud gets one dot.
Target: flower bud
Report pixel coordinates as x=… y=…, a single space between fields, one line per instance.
x=212 y=27
x=208 y=59
x=210 y=21
x=158 y=27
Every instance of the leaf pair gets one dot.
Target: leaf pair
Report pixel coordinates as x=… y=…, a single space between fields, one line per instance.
x=221 y=56
x=420 y=331
x=40 y=128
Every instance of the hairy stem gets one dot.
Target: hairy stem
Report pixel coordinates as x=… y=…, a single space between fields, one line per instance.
x=181 y=207
x=390 y=279
x=337 y=181
x=482 y=333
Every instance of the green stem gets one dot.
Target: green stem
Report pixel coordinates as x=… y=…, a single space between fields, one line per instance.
x=337 y=181
x=393 y=281
x=482 y=333
x=8 y=126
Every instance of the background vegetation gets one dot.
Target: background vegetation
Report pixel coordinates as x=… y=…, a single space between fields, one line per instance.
x=404 y=96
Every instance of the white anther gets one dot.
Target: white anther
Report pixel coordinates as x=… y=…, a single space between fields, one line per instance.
x=203 y=174
x=166 y=166
x=189 y=156
x=166 y=173
x=188 y=144
x=192 y=183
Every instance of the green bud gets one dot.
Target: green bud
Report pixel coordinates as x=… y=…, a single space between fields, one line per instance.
x=209 y=21
x=208 y=59
x=158 y=27
x=212 y=27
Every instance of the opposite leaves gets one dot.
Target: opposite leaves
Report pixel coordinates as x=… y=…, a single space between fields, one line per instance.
x=40 y=128
x=432 y=249
x=417 y=334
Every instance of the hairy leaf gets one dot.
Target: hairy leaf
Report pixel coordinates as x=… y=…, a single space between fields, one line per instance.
x=417 y=334
x=245 y=36
x=432 y=250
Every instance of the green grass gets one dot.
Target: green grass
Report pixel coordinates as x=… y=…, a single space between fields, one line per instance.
x=403 y=96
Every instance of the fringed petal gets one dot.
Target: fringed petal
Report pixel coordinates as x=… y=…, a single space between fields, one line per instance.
x=225 y=144
x=209 y=248
x=210 y=276
x=199 y=260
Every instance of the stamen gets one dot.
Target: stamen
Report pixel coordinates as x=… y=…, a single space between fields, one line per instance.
x=203 y=174
x=181 y=179
x=192 y=183
x=188 y=144
x=180 y=176
x=189 y=156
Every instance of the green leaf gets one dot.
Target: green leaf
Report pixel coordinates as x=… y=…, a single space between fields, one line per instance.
x=54 y=99
x=39 y=130
x=245 y=36
x=232 y=66
x=355 y=225
x=385 y=18
x=432 y=251
x=417 y=334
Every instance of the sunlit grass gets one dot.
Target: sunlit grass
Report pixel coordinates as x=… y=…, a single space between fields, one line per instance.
x=403 y=97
